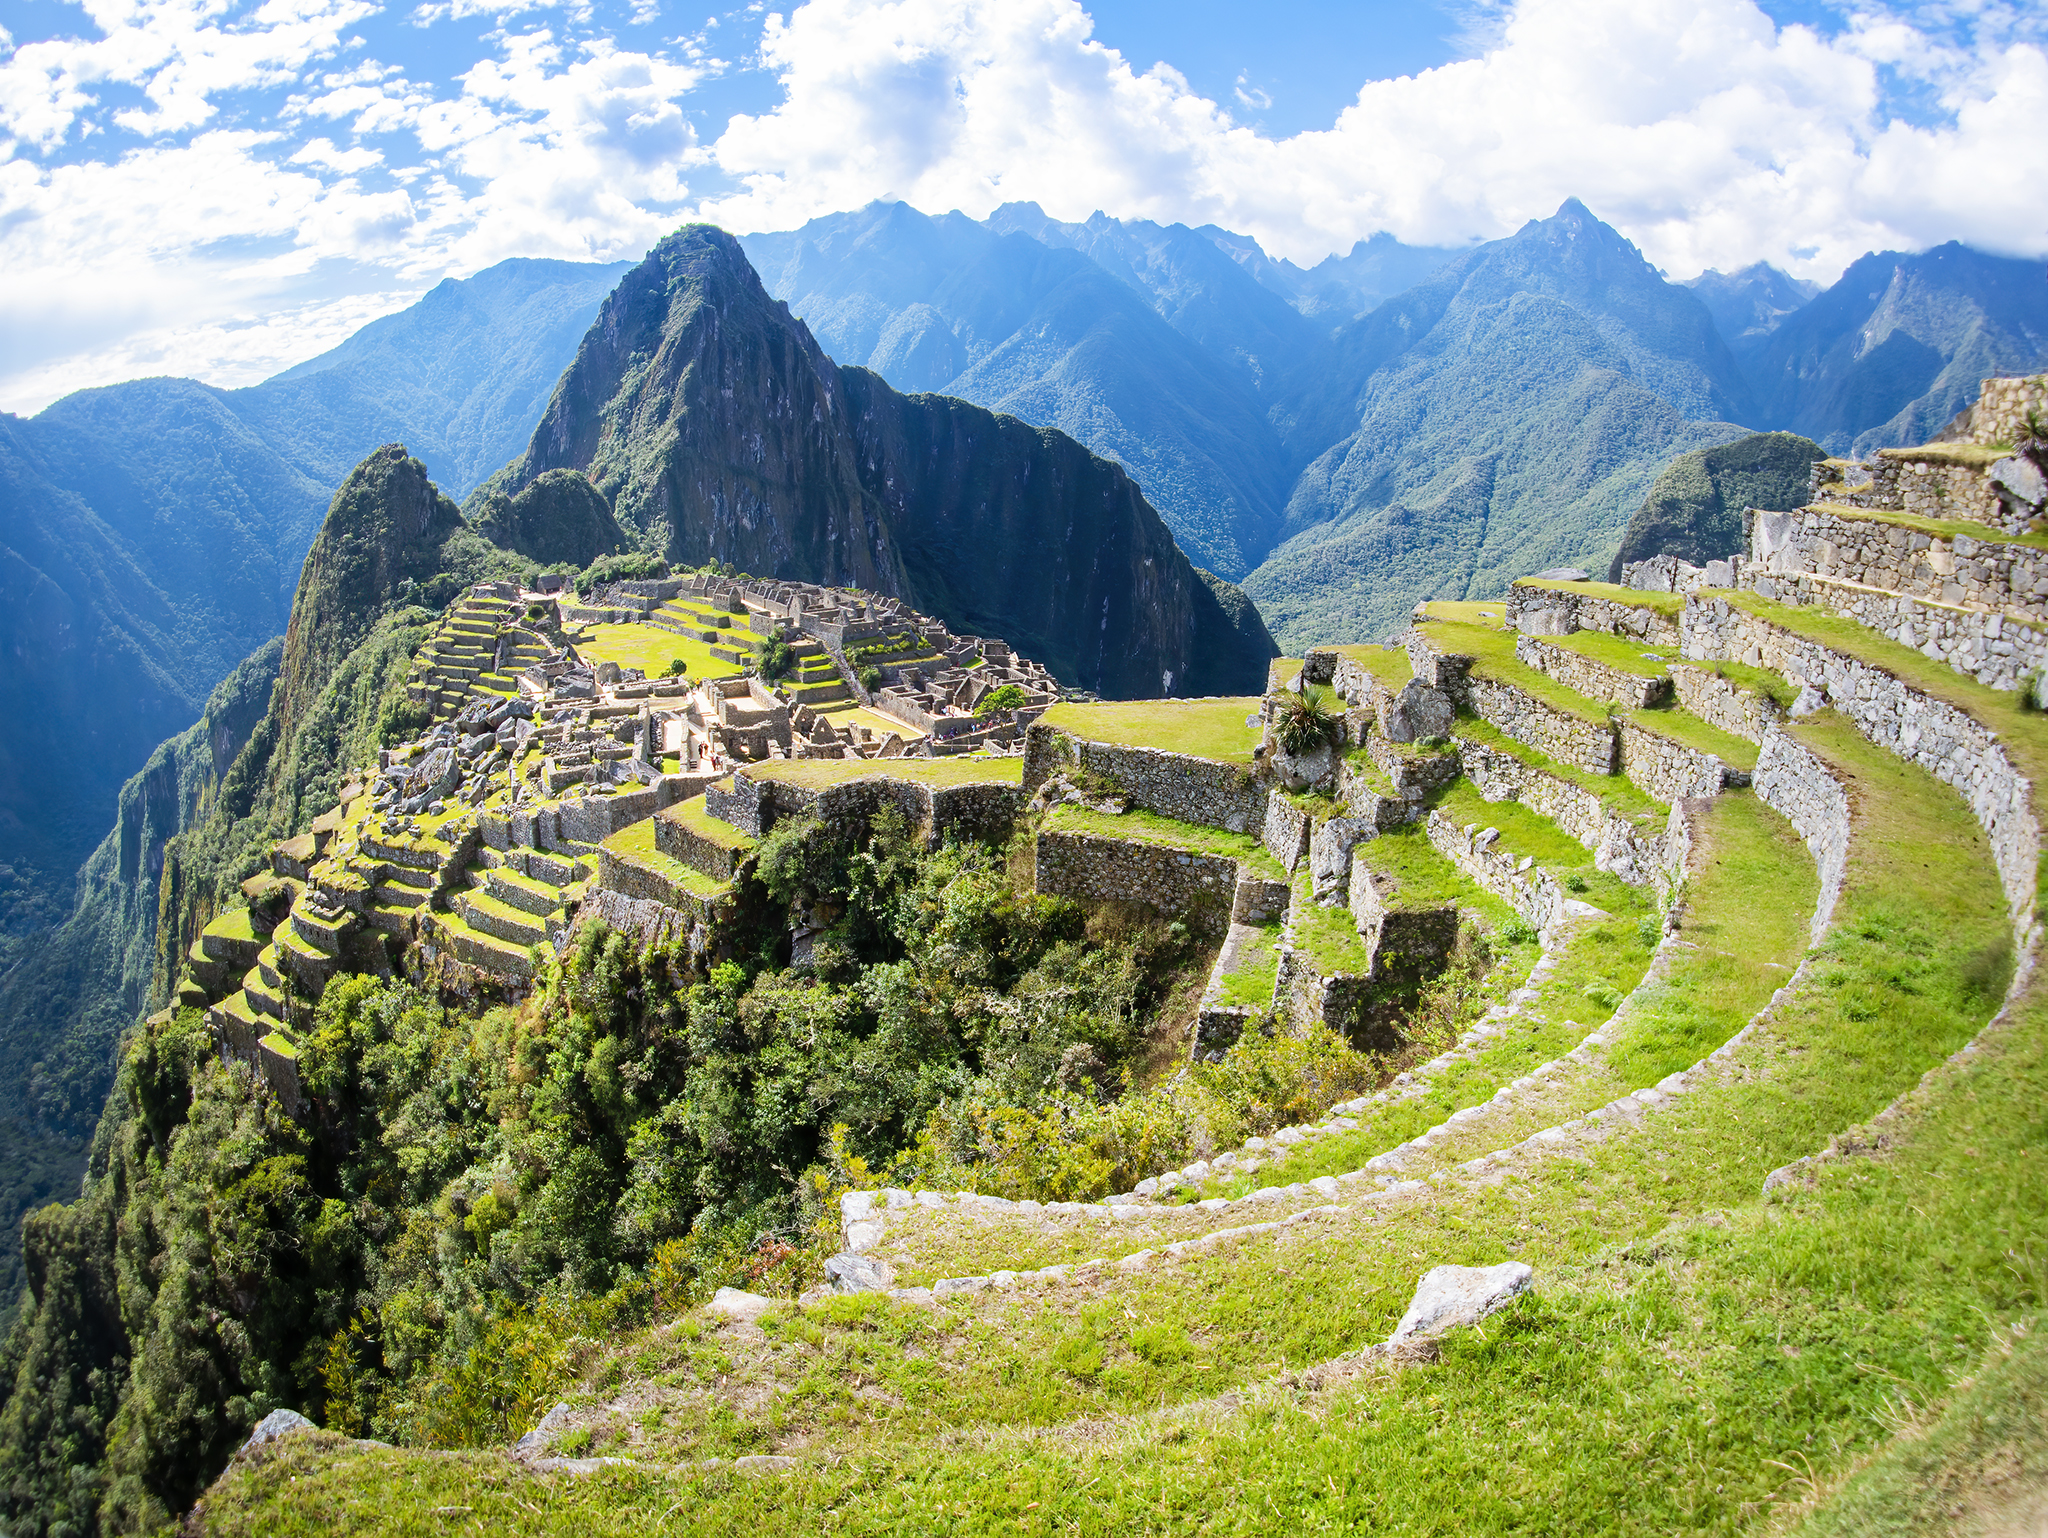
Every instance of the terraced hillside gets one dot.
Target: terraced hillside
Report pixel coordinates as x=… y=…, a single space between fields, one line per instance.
x=1750 y=1082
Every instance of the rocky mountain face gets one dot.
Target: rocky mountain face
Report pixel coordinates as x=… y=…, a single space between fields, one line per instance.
x=1694 y=510
x=1749 y=304
x=1899 y=345
x=717 y=428
x=1147 y=361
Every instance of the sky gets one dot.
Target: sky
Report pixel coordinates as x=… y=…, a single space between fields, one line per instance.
x=222 y=188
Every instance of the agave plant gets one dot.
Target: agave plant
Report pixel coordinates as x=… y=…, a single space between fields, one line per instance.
x=1304 y=723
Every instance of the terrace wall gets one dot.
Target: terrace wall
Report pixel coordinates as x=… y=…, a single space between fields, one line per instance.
x=1198 y=889
x=1176 y=785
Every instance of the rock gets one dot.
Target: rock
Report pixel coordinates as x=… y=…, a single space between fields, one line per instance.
x=1448 y=1296
x=1810 y=699
x=743 y=1307
x=856 y=1204
x=857 y=1273
x=1559 y=574
x=1298 y=771
x=864 y=1235
x=536 y=1441
x=1329 y=851
x=276 y=1424
x=764 y=1463
x=2020 y=478
x=1416 y=713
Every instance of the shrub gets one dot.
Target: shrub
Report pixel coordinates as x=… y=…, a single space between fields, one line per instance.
x=1007 y=697
x=1305 y=723
x=400 y=720
x=677 y=667
x=631 y=566
x=870 y=678
x=773 y=659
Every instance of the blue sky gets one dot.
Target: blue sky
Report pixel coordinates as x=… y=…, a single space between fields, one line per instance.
x=222 y=187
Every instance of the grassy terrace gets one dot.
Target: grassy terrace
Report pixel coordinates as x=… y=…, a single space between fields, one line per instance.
x=1424 y=878
x=1978 y=456
x=1686 y=1342
x=1493 y=649
x=634 y=844
x=1667 y=604
x=2024 y=732
x=853 y=713
x=818 y=773
x=1617 y=652
x=650 y=648
x=235 y=924
x=1211 y=729
x=1616 y=792
x=1772 y=686
x=691 y=814
x=1388 y=664
x=1250 y=984
x=1328 y=936
x=1523 y=831
x=1944 y=528
x=1142 y=827
x=1682 y=726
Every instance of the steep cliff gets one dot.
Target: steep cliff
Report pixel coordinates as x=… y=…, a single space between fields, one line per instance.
x=1694 y=509
x=718 y=430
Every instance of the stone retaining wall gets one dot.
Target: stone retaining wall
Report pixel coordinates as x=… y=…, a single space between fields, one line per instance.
x=679 y=841
x=1796 y=783
x=647 y=920
x=1996 y=651
x=1551 y=611
x=1284 y=830
x=1176 y=785
x=1670 y=771
x=1961 y=572
x=1949 y=744
x=1931 y=487
x=1577 y=671
x=1198 y=889
x=1258 y=899
x=1533 y=893
x=1723 y=703
x=631 y=879
x=2006 y=406
x=1556 y=733
x=1633 y=853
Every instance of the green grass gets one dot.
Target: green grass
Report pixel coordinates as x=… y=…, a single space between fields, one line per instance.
x=1682 y=726
x=1251 y=984
x=1946 y=528
x=1617 y=652
x=1424 y=878
x=650 y=648
x=635 y=845
x=235 y=924
x=1773 y=686
x=1670 y=605
x=1616 y=792
x=1692 y=1356
x=2024 y=731
x=1979 y=456
x=1493 y=653
x=1212 y=729
x=1522 y=830
x=1388 y=664
x=691 y=814
x=1328 y=936
x=818 y=773
x=1138 y=826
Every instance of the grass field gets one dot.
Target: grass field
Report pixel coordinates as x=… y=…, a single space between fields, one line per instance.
x=635 y=845
x=962 y=769
x=1667 y=604
x=650 y=648
x=1212 y=729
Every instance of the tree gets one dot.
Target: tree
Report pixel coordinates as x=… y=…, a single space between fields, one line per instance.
x=1004 y=697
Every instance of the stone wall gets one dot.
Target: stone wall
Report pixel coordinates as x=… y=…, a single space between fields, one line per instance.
x=2004 y=409
x=1187 y=789
x=1284 y=830
x=1990 y=648
x=1941 y=739
x=676 y=839
x=1577 y=671
x=649 y=921
x=629 y=878
x=1477 y=852
x=1569 y=739
x=1797 y=784
x=1551 y=611
x=1670 y=771
x=1258 y=899
x=1631 y=852
x=1198 y=889
x=1413 y=773
x=1961 y=572
x=1723 y=703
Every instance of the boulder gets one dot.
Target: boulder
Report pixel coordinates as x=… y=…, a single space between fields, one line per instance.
x=1560 y=574
x=1298 y=771
x=1448 y=1296
x=858 y=1273
x=1329 y=851
x=276 y=1424
x=1417 y=713
x=740 y=1307
x=535 y=1443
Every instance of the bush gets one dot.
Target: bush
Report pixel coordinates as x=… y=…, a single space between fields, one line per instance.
x=1008 y=697
x=633 y=566
x=870 y=678
x=1305 y=723
x=773 y=658
x=677 y=667
x=400 y=720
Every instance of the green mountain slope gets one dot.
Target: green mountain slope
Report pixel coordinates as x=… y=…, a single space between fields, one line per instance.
x=1506 y=415
x=718 y=429
x=1694 y=511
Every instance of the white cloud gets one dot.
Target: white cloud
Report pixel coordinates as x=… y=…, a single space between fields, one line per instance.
x=1702 y=130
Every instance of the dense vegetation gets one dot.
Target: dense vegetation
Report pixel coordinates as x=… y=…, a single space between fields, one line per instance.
x=1694 y=511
